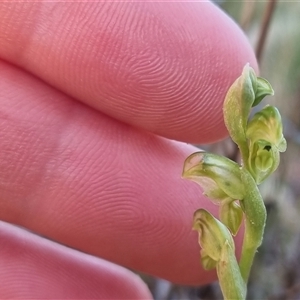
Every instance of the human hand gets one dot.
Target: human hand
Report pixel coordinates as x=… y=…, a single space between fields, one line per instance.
x=87 y=89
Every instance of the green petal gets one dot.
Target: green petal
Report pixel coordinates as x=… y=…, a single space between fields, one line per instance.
x=263 y=89
x=217 y=175
x=267 y=125
x=206 y=261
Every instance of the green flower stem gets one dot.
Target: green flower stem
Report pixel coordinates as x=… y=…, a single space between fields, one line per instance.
x=255 y=219
x=231 y=282
x=244 y=151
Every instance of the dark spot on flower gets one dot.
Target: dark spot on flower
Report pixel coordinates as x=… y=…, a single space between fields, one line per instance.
x=268 y=148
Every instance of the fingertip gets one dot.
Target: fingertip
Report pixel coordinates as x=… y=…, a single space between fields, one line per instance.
x=35 y=268
x=164 y=67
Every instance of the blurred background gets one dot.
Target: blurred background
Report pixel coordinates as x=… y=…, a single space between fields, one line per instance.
x=273 y=28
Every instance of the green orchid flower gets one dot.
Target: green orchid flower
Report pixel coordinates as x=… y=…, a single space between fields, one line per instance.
x=218 y=251
x=217 y=175
x=265 y=142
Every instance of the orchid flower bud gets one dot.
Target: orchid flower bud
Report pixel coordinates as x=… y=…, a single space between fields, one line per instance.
x=231 y=215
x=247 y=91
x=265 y=139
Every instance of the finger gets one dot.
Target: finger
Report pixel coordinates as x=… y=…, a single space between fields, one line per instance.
x=35 y=268
x=95 y=184
x=164 y=67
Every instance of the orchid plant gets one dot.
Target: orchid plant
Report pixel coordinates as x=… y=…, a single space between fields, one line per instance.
x=233 y=186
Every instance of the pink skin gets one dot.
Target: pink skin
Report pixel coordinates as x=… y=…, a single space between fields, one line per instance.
x=86 y=88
